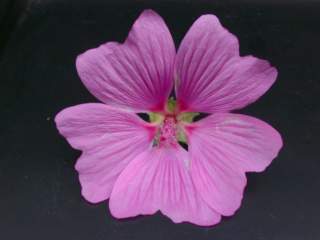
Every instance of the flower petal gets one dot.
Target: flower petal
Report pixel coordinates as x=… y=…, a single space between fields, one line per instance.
x=223 y=147
x=211 y=76
x=109 y=139
x=137 y=74
x=158 y=179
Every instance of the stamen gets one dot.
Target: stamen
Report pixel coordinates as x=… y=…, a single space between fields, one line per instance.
x=168 y=132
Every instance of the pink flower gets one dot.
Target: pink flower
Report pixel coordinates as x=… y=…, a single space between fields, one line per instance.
x=140 y=165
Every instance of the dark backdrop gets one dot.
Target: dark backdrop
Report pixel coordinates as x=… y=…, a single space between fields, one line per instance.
x=39 y=190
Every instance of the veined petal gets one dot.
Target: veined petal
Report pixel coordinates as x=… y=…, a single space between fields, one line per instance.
x=109 y=139
x=211 y=76
x=223 y=147
x=137 y=74
x=158 y=179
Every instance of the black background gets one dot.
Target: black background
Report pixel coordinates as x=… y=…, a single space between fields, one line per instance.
x=39 y=190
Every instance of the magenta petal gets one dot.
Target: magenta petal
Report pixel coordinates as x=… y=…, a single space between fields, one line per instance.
x=211 y=76
x=223 y=147
x=137 y=74
x=109 y=139
x=158 y=179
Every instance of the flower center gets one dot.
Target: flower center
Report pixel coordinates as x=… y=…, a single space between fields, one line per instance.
x=168 y=133
x=170 y=125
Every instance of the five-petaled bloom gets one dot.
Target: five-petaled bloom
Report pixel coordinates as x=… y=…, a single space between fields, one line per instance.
x=140 y=166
